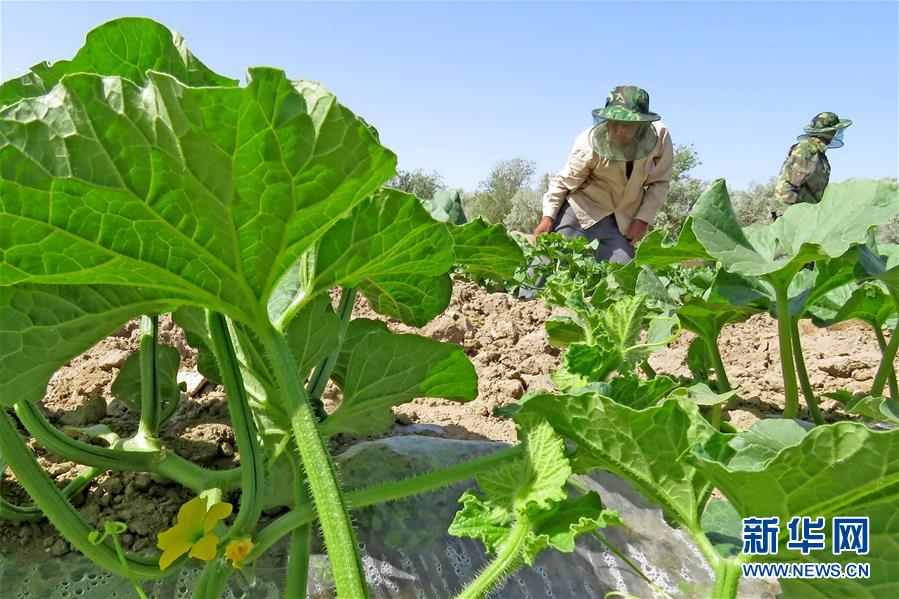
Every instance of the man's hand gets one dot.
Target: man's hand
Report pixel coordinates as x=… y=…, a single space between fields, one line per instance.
x=545 y=226
x=636 y=230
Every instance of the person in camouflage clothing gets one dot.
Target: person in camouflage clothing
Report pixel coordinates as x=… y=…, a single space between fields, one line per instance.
x=806 y=171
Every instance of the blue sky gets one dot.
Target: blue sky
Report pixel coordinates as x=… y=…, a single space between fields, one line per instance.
x=454 y=87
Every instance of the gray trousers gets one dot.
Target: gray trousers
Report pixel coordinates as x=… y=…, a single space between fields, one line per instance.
x=613 y=246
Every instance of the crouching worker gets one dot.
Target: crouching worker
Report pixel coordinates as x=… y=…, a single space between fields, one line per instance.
x=616 y=178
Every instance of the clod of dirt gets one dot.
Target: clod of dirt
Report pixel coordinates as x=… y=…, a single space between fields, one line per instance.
x=193 y=381
x=58 y=548
x=114 y=358
x=841 y=366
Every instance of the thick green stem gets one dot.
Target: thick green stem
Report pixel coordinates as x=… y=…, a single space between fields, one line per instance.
x=161 y=462
x=727 y=571
x=251 y=456
x=508 y=559
x=213 y=579
x=791 y=390
x=886 y=364
x=61 y=513
x=801 y=370
x=727 y=579
x=882 y=343
x=647 y=369
x=391 y=491
x=150 y=405
x=322 y=373
x=216 y=573
x=337 y=528
x=721 y=381
x=300 y=538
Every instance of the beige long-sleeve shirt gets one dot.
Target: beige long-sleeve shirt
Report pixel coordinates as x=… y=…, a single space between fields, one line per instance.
x=597 y=187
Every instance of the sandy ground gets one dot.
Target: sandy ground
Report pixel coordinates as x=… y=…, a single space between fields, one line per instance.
x=504 y=338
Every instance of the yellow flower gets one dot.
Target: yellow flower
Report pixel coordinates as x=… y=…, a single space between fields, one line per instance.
x=238 y=549
x=191 y=533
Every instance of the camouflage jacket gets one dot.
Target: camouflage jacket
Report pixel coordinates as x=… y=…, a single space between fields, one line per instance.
x=803 y=176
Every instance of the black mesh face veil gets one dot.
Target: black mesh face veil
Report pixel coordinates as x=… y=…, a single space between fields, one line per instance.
x=604 y=142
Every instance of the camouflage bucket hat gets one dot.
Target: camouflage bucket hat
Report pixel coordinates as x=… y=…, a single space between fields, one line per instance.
x=826 y=122
x=829 y=126
x=626 y=103
x=623 y=128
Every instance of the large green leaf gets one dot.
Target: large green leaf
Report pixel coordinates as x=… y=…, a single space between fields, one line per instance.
x=707 y=319
x=388 y=235
x=806 y=232
x=806 y=291
x=868 y=302
x=642 y=446
x=377 y=370
x=843 y=469
x=207 y=193
x=657 y=249
x=128 y=48
x=389 y=248
x=202 y=196
x=875 y=408
x=486 y=250
x=413 y=299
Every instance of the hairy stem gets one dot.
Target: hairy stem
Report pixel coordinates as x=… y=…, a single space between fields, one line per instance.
x=727 y=579
x=391 y=491
x=337 y=528
x=150 y=407
x=791 y=390
x=213 y=579
x=322 y=372
x=508 y=559
x=801 y=370
x=300 y=538
x=882 y=343
x=61 y=513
